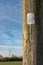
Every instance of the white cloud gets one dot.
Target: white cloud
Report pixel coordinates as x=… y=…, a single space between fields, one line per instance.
x=16 y=52
x=16 y=33
x=18 y=41
x=3 y=35
x=4 y=53
x=17 y=47
x=5 y=50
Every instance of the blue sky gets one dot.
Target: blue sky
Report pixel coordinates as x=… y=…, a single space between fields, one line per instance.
x=11 y=27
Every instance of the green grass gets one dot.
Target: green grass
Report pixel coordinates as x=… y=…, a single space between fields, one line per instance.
x=11 y=63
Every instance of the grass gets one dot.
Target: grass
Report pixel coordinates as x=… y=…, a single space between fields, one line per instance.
x=11 y=63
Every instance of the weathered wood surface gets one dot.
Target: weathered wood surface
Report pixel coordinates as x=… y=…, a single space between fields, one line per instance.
x=29 y=34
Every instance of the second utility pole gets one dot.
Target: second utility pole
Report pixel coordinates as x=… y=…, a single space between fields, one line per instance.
x=29 y=32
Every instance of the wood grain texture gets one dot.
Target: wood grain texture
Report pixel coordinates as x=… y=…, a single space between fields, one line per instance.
x=29 y=34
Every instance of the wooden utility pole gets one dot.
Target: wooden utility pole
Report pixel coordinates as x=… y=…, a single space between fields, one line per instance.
x=29 y=32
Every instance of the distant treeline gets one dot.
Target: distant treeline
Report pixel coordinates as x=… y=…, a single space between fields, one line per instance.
x=7 y=59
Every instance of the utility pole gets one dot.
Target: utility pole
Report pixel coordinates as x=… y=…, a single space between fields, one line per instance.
x=29 y=32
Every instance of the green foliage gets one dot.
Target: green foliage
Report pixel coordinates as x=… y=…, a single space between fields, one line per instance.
x=11 y=63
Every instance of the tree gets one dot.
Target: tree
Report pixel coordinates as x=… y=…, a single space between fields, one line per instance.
x=14 y=56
